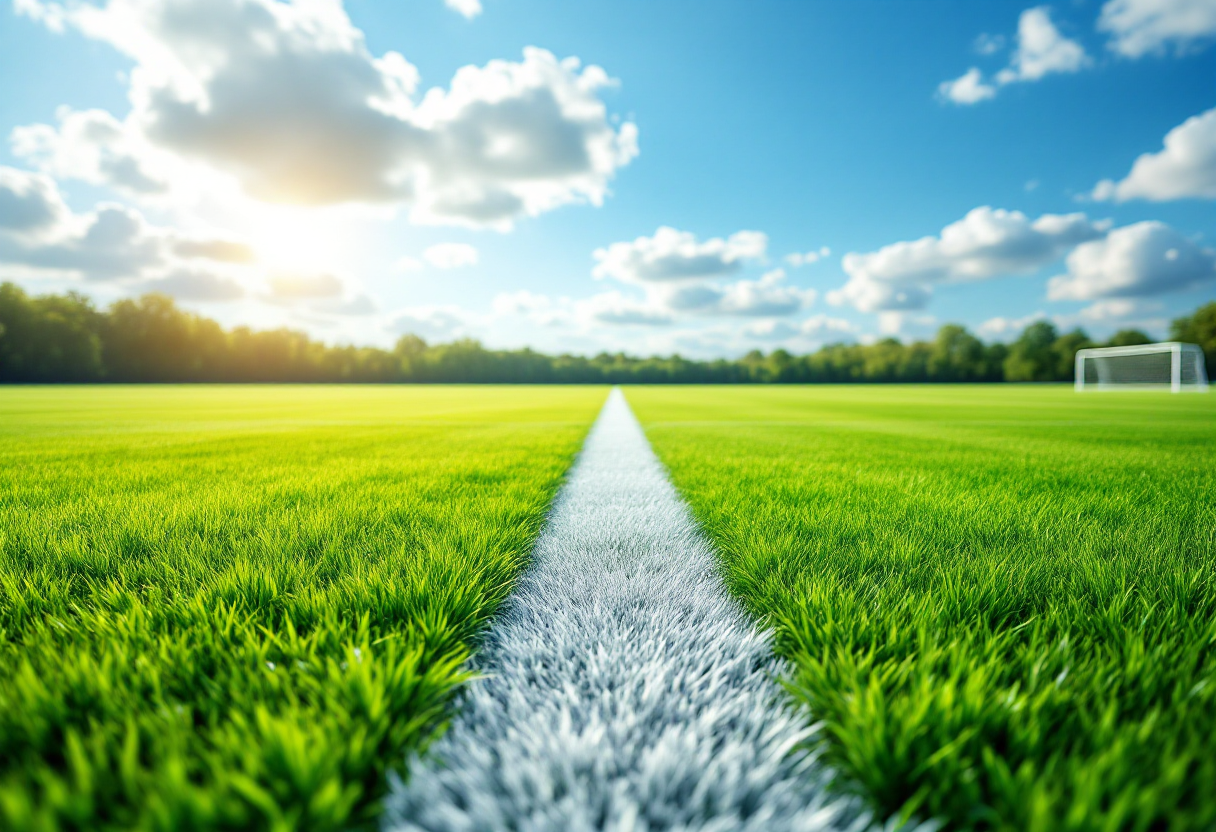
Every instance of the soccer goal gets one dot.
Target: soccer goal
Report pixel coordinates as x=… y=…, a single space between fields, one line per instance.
x=1169 y=366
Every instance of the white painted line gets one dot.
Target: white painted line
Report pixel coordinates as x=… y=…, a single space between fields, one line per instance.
x=624 y=689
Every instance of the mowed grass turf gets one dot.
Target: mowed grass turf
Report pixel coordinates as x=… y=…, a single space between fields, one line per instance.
x=1000 y=601
x=234 y=607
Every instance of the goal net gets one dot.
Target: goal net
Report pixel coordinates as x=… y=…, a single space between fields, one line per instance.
x=1167 y=366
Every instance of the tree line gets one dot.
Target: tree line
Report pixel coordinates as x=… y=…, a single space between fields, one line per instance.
x=66 y=339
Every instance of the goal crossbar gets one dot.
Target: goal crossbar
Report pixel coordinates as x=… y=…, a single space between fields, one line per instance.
x=1185 y=369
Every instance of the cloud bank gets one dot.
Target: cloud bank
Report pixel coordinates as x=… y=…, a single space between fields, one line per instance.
x=286 y=99
x=986 y=243
x=1147 y=258
x=1153 y=27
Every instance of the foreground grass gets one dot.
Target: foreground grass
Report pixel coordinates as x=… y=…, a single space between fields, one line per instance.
x=1000 y=601
x=233 y=607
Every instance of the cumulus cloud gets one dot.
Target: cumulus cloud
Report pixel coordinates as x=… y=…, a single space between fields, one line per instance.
x=806 y=258
x=616 y=308
x=1147 y=258
x=1001 y=328
x=986 y=243
x=1112 y=308
x=1184 y=168
x=286 y=98
x=468 y=9
x=968 y=88
x=768 y=296
x=672 y=255
x=1142 y=27
x=40 y=235
x=39 y=232
x=1041 y=50
x=684 y=276
x=451 y=255
x=95 y=147
x=29 y=203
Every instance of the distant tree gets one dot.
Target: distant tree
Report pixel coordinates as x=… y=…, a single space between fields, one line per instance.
x=62 y=338
x=52 y=338
x=1032 y=357
x=957 y=355
x=994 y=361
x=151 y=339
x=1065 y=348
x=1128 y=338
x=1199 y=328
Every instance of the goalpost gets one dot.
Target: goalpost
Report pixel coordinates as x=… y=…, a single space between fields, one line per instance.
x=1171 y=365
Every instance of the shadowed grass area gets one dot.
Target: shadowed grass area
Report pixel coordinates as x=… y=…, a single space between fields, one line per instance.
x=1000 y=600
x=234 y=607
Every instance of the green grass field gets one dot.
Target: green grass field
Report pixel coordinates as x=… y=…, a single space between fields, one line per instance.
x=233 y=607
x=1001 y=601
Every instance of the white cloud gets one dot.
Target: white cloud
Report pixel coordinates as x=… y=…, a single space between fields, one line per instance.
x=451 y=255
x=468 y=9
x=95 y=147
x=986 y=44
x=615 y=308
x=1001 y=328
x=37 y=231
x=1042 y=50
x=30 y=204
x=407 y=264
x=440 y=323
x=871 y=296
x=287 y=100
x=672 y=255
x=815 y=327
x=683 y=276
x=897 y=322
x=583 y=315
x=195 y=285
x=357 y=305
x=41 y=236
x=1141 y=27
x=968 y=88
x=747 y=298
x=767 y=296
x=1147 y=258
x=806 y=258
x=537 y=308
x=1184 y=168
x=1112 y=308
x=986 y=243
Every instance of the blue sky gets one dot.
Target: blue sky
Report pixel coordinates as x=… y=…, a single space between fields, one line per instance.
x=368 y=169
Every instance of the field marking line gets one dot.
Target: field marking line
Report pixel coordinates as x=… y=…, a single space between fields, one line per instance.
x=623 y=688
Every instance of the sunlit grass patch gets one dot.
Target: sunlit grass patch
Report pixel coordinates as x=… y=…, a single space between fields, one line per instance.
x=234 y=607
x=1000 y=601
